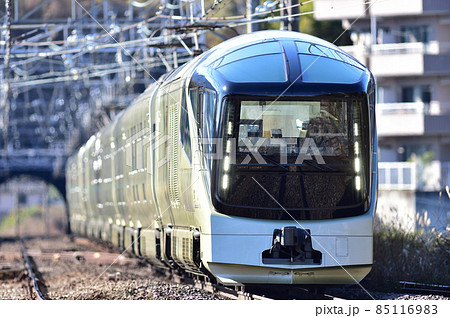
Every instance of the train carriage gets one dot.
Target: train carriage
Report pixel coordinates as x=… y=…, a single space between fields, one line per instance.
x=255 y=163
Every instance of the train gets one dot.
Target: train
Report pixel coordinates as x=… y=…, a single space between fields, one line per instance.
x=254 y=163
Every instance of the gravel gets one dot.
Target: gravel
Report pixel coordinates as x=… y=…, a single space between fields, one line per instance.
x=67 y=274
x=77 y=278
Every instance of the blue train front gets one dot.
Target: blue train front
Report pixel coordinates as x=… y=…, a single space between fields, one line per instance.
x=291 y=169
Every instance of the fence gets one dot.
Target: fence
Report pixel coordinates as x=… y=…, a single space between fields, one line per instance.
x=412 y=176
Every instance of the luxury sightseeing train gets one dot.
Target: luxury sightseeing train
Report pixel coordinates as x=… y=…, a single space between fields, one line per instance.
x=255 y=163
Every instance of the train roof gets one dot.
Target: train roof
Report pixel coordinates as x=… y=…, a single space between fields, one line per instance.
x=265 y=36
x=281 y=59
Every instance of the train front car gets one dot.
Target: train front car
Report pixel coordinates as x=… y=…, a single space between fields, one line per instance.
x=289 y=147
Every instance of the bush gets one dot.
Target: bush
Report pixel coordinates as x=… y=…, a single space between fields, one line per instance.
x=421 y=257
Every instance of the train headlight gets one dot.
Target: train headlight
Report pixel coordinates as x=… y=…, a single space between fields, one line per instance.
x=226 y=163
x=230 y=128
x=225 y=181
x=228 y=148
x=357 y=160
x=357 y=165
x=358 y=183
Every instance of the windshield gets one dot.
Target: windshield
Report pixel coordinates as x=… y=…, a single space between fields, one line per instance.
x=309 y=157
x=285 y=129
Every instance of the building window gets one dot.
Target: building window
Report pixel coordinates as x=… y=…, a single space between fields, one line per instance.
x=381 y=94
x=419 y=33
x=416 y=94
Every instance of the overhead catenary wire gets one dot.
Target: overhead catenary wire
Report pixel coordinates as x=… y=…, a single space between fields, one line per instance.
x=278 y=18
x=196 y=28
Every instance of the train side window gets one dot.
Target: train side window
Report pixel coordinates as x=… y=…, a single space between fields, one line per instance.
x=193 y=95
x=143 y=147
x=143 y=192
x=135 y=148
x=200 y=103
x=185 y=135
x=129 y=148
x=209 y=101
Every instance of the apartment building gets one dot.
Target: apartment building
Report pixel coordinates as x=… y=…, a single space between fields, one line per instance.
x=406 y=45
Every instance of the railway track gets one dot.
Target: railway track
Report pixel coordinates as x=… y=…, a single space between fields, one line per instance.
x=237 y=293
x=31 y=271
x=425 y=289
x=64 y=259
x=243 y=292
x=68 y=268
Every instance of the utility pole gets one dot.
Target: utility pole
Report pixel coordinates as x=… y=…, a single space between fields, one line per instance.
x=294 y=21
x=250 y=9
x=291 y=23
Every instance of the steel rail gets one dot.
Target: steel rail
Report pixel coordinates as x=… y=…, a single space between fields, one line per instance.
x=30 y=271
x=421 y=288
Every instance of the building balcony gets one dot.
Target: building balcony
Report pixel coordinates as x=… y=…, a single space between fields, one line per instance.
x=413 y=176
x=351 y=9
x=410 y=119
x=400 y=119
x=403 y=59
x=409 y=7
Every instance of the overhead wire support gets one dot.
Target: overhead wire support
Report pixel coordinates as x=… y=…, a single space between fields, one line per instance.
x=5 y=87
x=66 y=72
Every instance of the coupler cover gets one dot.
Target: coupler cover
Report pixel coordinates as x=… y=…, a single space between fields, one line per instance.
x=291 y=245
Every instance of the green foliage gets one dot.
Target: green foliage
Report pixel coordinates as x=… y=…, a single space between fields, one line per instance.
x=424 y=158
x=10 y=220
x=53 y=193
x=408 y=256
x=330 y=31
